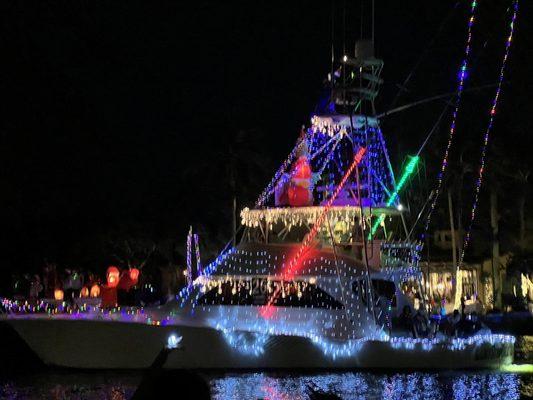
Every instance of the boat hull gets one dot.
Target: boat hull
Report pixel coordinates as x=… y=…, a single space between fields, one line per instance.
x=118 y=345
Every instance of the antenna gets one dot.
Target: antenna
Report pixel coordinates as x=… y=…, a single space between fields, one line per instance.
x=344 y=28
x=373 y=20
x=332 y=40
x=361 y=19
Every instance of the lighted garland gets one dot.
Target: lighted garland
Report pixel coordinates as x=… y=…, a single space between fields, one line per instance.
x=334 y=125
x=299 y=216
x=486 y=136
x=462 y=76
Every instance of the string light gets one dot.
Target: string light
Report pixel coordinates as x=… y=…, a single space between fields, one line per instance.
x=462 y=77
x=377 y=179
x=299 y=216
x=263 y=197
x=197 y=250
x=189 y=257
x=292 y=266
x=338 y=330
x=185 y=292
x=409 y=168
x=486 y=136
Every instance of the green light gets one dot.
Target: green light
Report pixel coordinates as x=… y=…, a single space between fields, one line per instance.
x=410 y=167
x=518 y=368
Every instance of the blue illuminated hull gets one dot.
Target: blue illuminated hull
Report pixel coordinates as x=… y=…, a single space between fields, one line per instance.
x=111 y=345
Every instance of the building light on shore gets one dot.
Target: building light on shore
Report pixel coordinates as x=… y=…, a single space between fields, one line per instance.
x=58 y=295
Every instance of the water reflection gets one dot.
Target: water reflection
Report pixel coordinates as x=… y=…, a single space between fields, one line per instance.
x=282 y=386
x=430 y=386
x=499 y=386
x=69 y=385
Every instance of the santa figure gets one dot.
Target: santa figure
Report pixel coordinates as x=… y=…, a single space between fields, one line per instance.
x=300 y=191
x=294 y=188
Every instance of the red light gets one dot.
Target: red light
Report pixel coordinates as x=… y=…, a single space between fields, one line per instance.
x=294 y=265
x=134 y=274
x=113 y=275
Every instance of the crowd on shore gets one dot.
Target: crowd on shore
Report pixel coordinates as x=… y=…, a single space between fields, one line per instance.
x=420 y=325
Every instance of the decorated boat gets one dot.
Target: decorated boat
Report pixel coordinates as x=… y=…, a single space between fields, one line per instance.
x=316 y=278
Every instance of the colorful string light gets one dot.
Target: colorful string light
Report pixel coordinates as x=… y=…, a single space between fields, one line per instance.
x=189 y=257
x=292 y=266
x=197 y=250
x=326 y=328
x=291 y=271
x=186 y=291
x=377 y=179
x=486 y=136
x=409 y=169
x=462 y=76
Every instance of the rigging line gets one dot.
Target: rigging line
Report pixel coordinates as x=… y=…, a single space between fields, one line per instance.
x=433 y=129
x=421 y=212
x=433 y=98
x=462 y=75
x=486 y=136
x=476 y=59
x=327 y=159
x=317 y=152
x=402 y=87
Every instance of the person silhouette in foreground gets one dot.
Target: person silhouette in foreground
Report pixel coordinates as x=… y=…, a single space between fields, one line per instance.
x=159 y=383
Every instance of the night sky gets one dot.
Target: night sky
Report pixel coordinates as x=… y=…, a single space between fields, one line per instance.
x=119 y=119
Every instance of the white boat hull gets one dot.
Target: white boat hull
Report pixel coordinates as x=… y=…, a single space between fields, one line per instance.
x=119 y=345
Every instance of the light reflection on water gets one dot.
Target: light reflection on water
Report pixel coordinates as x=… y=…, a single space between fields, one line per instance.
x=427 y=386
x=280 y=386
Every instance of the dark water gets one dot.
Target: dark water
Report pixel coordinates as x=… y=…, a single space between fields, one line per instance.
x=276 y=386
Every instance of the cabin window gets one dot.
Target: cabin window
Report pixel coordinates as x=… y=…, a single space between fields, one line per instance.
x=257 y=292
x=386 y=289
x=380 y=287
